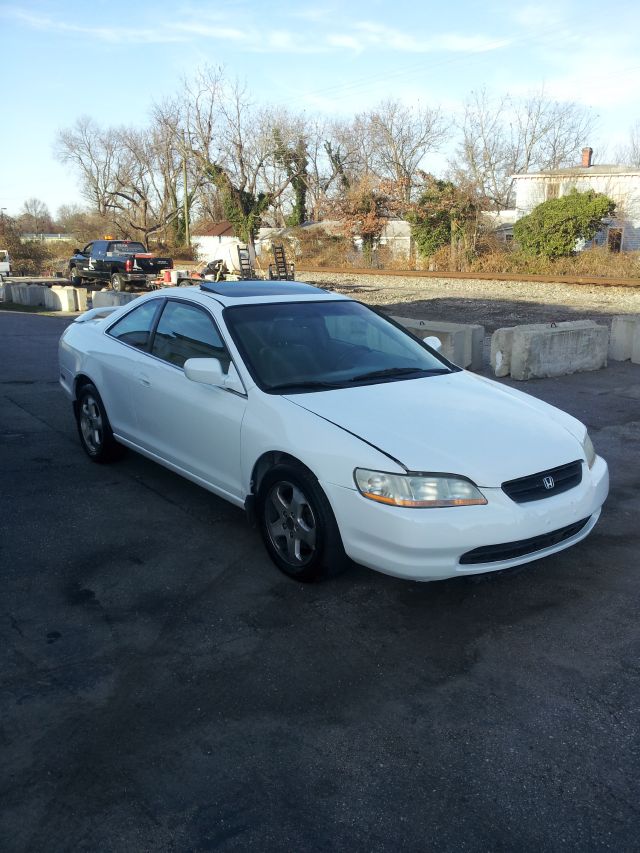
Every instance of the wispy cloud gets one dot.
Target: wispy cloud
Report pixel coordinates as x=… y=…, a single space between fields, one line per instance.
x=367 y=34
x=538 y=15
x=213 y=25
x=114 y=35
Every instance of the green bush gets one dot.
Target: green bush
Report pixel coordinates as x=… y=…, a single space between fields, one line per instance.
x=553 y=228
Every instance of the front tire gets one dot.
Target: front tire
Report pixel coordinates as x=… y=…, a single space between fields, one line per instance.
x=297 y=525
x=94 y=428
x=76 y=280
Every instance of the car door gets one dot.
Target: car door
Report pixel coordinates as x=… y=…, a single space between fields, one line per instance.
x=123 y=355
x=192 y=426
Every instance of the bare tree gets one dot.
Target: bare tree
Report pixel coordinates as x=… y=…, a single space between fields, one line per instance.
x=129 y=175
x=235 y=148
x=35 y=216
x=401 y=138
x=92 y=151
x=505 y=136
x=629 y=154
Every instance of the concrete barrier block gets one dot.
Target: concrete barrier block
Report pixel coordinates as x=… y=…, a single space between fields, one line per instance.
x=81 y=298
x=502 y=341
x=18 y=294
x=28 y=294
x=557 y=350
x=67 y=297
x=477 y=347
x=623 y=330
x=501 y=344
x=635 y=345
x=52 y=300
x=454 y=345
x=462 y=343
x=109 y=298
x=37 y=294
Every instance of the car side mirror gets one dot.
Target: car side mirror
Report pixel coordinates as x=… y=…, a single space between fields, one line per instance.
x=433 y=342
x=77 y=251
x=208 y=371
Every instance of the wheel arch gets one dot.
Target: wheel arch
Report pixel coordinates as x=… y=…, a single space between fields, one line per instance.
x=78 y=383
x=268 y=460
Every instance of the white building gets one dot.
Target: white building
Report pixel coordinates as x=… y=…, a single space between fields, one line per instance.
x=620 y=183
x=219 y=243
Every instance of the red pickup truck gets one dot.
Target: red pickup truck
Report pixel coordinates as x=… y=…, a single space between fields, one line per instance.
x=119 y=263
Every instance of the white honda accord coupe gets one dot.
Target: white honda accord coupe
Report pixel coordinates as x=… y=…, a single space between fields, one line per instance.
x=342 y=434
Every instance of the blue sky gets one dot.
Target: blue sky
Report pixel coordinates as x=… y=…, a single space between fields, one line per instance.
x=111 y=60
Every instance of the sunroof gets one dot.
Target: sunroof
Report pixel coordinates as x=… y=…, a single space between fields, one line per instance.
x=259 y=288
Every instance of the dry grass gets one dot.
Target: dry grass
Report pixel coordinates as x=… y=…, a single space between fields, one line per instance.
x=592 y=262
x=337 y=252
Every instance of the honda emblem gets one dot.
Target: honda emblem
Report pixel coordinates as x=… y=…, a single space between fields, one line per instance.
x=548 y=482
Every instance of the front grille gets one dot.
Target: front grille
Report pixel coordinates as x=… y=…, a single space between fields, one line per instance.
x=532 y=488
x=510 y=550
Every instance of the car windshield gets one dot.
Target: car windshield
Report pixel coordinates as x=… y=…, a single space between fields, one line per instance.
x=123 y=247
x=316 y=346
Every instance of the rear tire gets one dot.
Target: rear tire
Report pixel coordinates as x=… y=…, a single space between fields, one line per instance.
x=94 y=428
x=118 y=283
x=298 y=526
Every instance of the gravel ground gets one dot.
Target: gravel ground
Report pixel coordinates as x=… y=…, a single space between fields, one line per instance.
x=492 y=303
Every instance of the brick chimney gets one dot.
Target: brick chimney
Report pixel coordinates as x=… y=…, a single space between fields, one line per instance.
x=587 y=154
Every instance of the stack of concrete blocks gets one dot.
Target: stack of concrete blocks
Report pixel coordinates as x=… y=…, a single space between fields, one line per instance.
x=28 y=294
x=624 y=344
x=462 y=343
x=541 y=350
x=54 y=298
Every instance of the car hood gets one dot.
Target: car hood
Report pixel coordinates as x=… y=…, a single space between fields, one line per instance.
x=457 y=423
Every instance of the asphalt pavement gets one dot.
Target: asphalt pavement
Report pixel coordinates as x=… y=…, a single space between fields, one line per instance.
x=164 y=688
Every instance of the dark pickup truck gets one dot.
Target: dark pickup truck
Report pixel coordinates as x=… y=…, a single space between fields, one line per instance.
x=119 y=263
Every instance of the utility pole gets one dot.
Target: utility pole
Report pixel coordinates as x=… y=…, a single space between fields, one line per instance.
x=187 y=231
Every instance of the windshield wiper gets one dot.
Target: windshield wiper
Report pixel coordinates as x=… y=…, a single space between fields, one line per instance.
x=399 y=371
x=304 y=385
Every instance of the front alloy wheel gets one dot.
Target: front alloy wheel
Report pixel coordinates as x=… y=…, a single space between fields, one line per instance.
x=291 y=524
x=297 y=524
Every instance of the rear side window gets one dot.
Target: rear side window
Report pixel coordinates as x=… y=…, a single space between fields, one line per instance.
x=124 y=247
x=185 y=331
x=135 y=328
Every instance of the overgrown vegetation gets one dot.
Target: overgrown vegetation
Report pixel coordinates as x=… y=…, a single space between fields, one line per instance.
x=553 y=228
x=27 y=258
x=596 y=262
x=444 y=215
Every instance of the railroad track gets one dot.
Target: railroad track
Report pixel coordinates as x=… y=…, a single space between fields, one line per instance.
x=478 y=276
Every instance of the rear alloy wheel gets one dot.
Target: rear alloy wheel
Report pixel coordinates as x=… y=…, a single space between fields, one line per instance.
x=297 y=525
x=118 y=283
x=94 y=428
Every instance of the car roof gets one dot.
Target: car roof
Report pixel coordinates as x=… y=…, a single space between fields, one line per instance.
x=254 y=292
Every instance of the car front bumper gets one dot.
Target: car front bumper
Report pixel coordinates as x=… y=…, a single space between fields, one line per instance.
x=428 y=544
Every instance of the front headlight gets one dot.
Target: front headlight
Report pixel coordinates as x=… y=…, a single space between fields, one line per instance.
x=417 y=490
x=589 y=451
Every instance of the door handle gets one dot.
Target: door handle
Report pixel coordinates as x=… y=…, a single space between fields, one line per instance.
x=143 y=379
